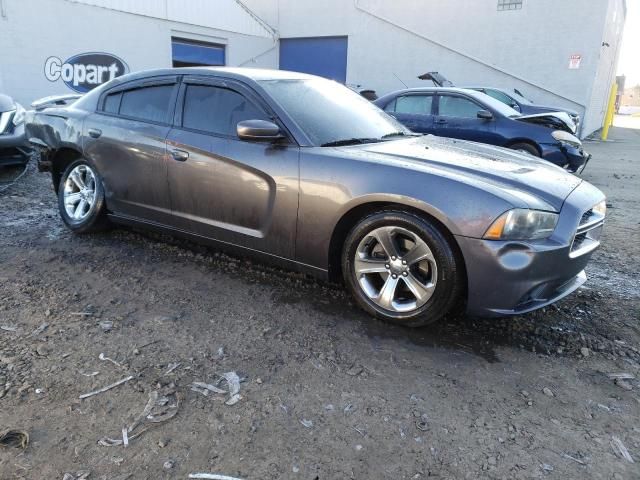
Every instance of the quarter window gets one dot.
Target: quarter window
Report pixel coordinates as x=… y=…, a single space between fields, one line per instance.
x=414 y=104
x=217 y=110
x=147 y=103
x=458 y=107
x=112 y=103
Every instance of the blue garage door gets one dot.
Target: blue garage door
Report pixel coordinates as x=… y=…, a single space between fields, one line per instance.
x=324 y=56
x=189 y=53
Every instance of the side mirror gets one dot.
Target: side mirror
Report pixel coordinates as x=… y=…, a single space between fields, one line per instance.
x=515 y=106
x=258 y=131
x=485 y=114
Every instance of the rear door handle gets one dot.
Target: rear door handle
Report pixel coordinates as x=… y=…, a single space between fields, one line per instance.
x=441 y=121
x=95 y=132
x=179 y=155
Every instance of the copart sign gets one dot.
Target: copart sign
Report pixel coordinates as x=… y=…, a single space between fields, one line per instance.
x=85 y=71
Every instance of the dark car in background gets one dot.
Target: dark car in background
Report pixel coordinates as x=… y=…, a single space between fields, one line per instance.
x=471 y=115
x=14 y=147
x=524 y=105
x=304 y=172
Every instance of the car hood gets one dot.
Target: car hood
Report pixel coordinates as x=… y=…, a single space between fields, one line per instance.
x=519 y=178
x=555 y=120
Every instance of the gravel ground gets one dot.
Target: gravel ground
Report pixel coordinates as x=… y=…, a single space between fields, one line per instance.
x=326 y=392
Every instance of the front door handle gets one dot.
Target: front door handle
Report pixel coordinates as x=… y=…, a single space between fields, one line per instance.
x=179 y=155
x=95 y=132
x=441 y=121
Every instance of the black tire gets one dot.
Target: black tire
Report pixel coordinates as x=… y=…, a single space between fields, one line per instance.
x=525 y=147
x=95 y=219
x=450 y=275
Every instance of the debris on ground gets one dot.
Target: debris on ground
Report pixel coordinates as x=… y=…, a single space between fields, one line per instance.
x=104 y=389
x=212 y=476
x=171 y=367
x=547 y=391
x=162 y=406
x=39 y=330
x=620 y=450
x=621 y=376
x=233 y=387
x=306 y=423
x=104 y=358
x=79 y=475
x=14 y=439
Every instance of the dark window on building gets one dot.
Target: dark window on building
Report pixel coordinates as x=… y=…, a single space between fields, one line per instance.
x=147 y=103
x=112 y=103
x=458 y=107
x=413 y=104
x=509 y=4
x=217 y=110
x=190 y=53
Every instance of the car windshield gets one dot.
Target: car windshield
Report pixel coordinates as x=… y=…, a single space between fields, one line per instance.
x=520 y=98
x=497 y=105
x=331 y=114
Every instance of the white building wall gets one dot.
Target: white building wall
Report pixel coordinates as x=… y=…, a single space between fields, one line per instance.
x=33 y=30
x=469 y=41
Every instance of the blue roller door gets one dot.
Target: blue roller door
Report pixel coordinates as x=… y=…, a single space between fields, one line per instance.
x=188 y=53
x=324 y=56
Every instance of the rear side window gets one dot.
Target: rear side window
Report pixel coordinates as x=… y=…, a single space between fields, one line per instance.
x=147 y=103
x=217 y=110
x=413 y=104
x=458 y=107
x=112 y=103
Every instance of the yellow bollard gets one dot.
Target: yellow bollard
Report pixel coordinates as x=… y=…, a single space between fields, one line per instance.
x=608 y=118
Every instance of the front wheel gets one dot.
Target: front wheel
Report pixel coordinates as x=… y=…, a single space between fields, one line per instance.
x=81 y=198
x=401 y=268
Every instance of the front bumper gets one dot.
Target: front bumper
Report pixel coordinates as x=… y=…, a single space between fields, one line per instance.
x=14 y=147
x=515 y=277
x=570 y=158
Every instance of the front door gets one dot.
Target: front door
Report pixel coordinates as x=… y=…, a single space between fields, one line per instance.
x=244 y=193
x=458 y=118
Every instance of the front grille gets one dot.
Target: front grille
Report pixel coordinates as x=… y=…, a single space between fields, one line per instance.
x=587 y=236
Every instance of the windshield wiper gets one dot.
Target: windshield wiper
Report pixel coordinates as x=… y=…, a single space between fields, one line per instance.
x=349 y=141
x=399 y=134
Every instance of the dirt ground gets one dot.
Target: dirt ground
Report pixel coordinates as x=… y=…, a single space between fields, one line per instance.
x=327 y=393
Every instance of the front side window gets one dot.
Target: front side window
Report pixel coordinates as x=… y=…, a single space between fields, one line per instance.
x=217 y=110
x=147 y=103
x=414 y=104
x=458 y=107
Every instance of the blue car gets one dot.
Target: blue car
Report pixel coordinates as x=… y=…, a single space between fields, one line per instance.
x=522 y=104
x=472 y=115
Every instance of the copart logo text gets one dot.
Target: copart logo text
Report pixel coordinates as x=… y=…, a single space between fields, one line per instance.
x=85 y=71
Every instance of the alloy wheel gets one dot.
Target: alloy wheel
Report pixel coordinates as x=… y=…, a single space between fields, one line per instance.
x=395 y=269
x=79 y=192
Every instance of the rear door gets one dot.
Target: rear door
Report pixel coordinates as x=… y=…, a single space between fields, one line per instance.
x=239 y=192
x=415 y=111
x=125 y=139
x=458 y=118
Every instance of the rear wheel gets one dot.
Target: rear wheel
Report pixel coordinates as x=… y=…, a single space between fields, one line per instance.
x=525 y=148
x=81 y=198
x=401 y=268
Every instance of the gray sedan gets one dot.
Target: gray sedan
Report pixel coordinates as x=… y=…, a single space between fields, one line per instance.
x=304 y=172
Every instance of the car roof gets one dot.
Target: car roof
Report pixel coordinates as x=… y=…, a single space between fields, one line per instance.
x=238 y=73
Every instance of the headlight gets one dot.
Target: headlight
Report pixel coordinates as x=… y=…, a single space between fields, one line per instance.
x=566 y=138
x=600 y=208
x=522 y=224
x=18 y=118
